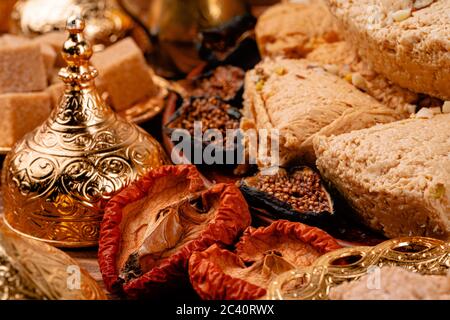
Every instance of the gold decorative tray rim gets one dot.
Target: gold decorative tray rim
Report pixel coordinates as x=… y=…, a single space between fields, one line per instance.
x=417 y=254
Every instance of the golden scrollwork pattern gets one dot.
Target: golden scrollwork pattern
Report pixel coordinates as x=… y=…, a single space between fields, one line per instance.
x=33 y=270
x=57 y=180
x=417 y=254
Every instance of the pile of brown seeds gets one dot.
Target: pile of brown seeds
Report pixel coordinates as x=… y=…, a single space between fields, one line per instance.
x=302 y=190
x=212 y=112
x=225 y=83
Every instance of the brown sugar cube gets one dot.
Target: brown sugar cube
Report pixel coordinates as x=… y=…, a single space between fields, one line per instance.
x=49 y=56
x=22 y=66
x=102 y=90
x=12 y=40
x=55 y=76
x=56 y=91
x=47 y=51
x=56 y=41
x=125 y=74
x=20 y=113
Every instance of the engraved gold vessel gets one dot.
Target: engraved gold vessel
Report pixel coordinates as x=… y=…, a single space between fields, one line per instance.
x=417 y=254
x=31 y=269
x=106 y=22
x=57 y=180
x=175 y=27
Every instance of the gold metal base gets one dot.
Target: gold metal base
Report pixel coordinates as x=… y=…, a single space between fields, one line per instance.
x=58 y=244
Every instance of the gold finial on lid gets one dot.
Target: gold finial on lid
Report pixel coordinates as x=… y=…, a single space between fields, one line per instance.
x=77 y=52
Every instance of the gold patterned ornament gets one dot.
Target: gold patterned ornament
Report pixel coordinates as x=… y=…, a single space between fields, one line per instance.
x=417 y=254
x=106 y=22
x=30 y=269
x=57 y=180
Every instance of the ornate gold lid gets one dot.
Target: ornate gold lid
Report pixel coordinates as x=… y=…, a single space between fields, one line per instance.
x=106 y=22
x=417 y=254
x=33 y=270
x=57 y=180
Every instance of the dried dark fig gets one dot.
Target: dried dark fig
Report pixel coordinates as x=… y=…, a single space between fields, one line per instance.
x=219 y=136
x=296 y=194
x=151 y=228
x=212 y=112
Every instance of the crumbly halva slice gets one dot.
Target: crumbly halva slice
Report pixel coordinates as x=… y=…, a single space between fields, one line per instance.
x=341 y=58
x=407 y=41
x=303 y=30
x=396 y=176
x=301 y=100
x=294 y=29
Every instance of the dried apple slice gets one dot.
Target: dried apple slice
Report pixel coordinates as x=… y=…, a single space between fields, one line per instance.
x=207 y=271
x=260 y=256
x=151 y=228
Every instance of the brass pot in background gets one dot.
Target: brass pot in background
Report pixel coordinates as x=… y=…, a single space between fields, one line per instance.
x=106 y=22
x=6 y=7
x=179 y=20
x=175 y=27
x=138 y=8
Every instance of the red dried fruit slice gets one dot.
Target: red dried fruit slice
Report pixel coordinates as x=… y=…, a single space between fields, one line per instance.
x=260 y=256
x=210 y=280
x=150 y=229
x=299 y=243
